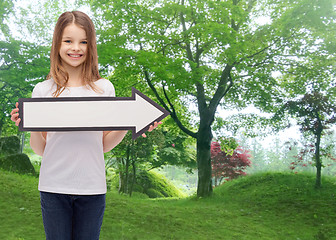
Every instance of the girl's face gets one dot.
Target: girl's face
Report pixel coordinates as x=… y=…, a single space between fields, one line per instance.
x=73 y=47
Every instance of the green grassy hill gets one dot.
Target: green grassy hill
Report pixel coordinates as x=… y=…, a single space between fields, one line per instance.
x=263 y=206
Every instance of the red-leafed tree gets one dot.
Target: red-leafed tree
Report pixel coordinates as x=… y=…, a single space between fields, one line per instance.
x=228 y=164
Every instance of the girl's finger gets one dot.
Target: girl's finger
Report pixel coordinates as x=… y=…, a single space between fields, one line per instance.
x=150 y=128
x=14 y=117
x=18 y=122
x=15 y=110
x=156 y=124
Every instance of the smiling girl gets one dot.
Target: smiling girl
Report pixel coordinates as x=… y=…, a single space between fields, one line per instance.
x=72 y=180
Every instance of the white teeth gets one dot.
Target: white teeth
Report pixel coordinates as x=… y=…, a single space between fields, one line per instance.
x=71 y=55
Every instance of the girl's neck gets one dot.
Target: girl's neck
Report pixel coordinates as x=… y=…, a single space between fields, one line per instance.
x=75 y=77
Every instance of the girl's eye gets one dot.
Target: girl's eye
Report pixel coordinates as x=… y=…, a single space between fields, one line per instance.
x=67 y=41
x=84 y=42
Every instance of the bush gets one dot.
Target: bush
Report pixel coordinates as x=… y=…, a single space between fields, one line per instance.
x=18 y=163
x=153 y=184
x=138 y=188
x=152 y=193
x=9 y=145
x=153 y=181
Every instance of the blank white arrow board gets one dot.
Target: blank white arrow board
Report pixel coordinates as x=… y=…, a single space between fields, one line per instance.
x=134 y=113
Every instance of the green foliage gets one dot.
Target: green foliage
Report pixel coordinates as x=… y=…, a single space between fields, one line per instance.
x=227 y=145
x=11 y=159
x=173 y=148
x=9 y=145
x=24 y=51
x=35 y=20
x=156 y=185
x=152 y=193
x=6 y=8
x=18 y=163
x=159 y=148
x=22 y=64
x=153 y=185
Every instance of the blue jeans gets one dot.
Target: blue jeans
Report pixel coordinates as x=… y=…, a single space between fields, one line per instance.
x=72 y=217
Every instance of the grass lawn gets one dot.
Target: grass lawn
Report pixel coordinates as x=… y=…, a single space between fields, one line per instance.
x=261 y=206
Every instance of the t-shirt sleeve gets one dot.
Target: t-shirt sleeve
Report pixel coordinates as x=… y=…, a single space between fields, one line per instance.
x=37 y=91
x=109 y=89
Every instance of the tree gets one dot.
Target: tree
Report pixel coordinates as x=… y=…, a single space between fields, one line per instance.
x=161 y=147
x=228 y=163
x=22 y=64
x=128 y=155
x=6 y=8
x=206 y=53
x=24 y=60
x=315 y=113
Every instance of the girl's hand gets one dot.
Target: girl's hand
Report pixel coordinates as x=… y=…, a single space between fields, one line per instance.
x=152 y=127
x=15 y=115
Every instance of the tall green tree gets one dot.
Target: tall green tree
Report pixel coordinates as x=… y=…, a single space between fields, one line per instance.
x=6 y=9
x=22 y=64
x=198 y=54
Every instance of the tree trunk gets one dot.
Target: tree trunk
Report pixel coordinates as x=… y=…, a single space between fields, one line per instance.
x=2 y=122
x=318 y=133
x=121 y=182
x=22 y=142
x=124 y=174
x=127 y=169
x=121 y=176
x=317 y=159
x=133 y=179
x=204 y=137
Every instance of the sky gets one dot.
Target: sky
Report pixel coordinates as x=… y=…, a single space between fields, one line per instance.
x=284 y=135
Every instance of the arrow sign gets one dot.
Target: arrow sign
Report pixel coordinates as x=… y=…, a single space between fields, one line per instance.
x=134 y=113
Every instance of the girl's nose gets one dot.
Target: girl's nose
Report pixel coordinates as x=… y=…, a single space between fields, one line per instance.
x=75 y=47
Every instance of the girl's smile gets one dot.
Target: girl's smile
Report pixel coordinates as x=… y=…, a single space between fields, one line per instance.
x=74 y=56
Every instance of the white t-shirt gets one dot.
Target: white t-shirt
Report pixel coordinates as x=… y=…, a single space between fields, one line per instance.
x=73 y=162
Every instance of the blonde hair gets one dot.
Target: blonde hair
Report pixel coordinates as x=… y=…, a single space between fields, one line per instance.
x=90 y=71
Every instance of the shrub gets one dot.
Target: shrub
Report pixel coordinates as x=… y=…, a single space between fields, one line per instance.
x=153 y=180
x=152 y=193
x=19 y=163
x=152 y=184
x=9 y=145
x=138 y=188
x=228 y=163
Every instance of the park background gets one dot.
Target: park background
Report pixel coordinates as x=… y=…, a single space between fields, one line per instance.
x=248 y=150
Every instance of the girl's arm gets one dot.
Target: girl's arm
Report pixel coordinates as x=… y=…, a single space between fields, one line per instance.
x=112 y=139
x=37 y=139
x=38 y=142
